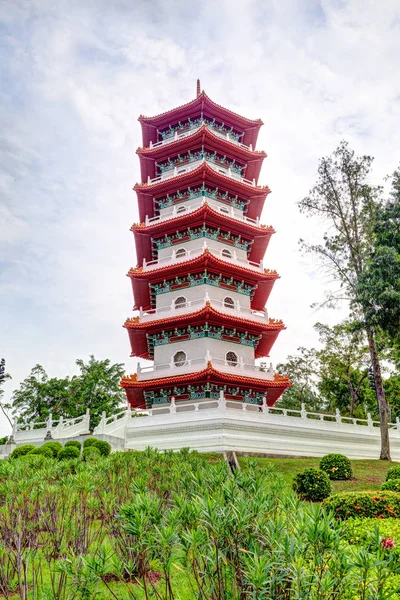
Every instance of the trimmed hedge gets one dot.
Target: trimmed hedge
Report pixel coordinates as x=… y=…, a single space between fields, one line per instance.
x=91 y=453
x=312 y=484
x=392 y=484
x=73 y=444
x=42 y=451
x=22 y=450
x=55 y=447
x=337 y=466
x=393 y=473
x=104 y=447
x=90 y=441
x=380 y=505
x=69 y=452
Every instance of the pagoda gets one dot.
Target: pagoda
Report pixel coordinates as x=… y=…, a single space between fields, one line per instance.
x=200 y=287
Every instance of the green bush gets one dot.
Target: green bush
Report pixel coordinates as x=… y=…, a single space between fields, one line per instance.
x=91 y=453
x=392 y=484
x=55 y=447
x=104 y=447
x=337 y=466
x=358 y=531
x=312 y=484
x=393 y=473
x=90 y=441
x=381 y=504
x=73 y=444
x=42 y=451
x=22 y=450
x=69 y=452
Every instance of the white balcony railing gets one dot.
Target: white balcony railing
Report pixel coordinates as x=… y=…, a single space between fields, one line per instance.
x=184 y=134
x=181 y=209
x=222 y=254
x=173 y=310
x=195 y=165
x=198 y=364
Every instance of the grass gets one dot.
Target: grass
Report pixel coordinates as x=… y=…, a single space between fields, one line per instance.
x=367 y=474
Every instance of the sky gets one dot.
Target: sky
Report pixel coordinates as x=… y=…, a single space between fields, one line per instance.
x=75 y=76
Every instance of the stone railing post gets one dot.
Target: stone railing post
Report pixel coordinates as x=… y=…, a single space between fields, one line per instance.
x=172 y=406
x=49 y=425
x=370 y=422
x=221 y=401
x=338 y=416
x=264 y=406
x=303 y=411
x=101 y=426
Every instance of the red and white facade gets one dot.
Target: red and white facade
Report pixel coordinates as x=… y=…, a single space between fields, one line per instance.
x=200 y=285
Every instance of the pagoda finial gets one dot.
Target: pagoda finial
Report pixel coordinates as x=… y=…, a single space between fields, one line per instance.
x=198 y=88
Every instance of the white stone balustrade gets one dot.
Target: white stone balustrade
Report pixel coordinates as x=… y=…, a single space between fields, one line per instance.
x=223 y=209
x=178 y=136
x=198 y=364
x=194 y=252
x=195 y=165
x=174 y=310
x=62 y=428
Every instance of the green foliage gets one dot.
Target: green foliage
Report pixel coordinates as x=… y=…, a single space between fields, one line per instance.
x=337 y=466
x=380 y=504
x=22 y=450
x=74 y=443
x=301 y=371
x=103 y=446
x=393 y=473
x=90 y=441
x=392 y=484
x=42 y=451
x=358 y=531
x=91 y=453
x=68 y=452
x=3 y=440
x=55 y=447
x=312 y=484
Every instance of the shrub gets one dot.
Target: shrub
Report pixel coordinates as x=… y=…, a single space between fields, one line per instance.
x=42 y=451
x=90 y=441
x=393 y=473
x=91 y=453
x=381 y=504
x=73 y=444
x=103 y=447
x=55 y=447
x=22 y=450
x=392 y=484
x=337 y=466
x=69 y=452
x=312 y=484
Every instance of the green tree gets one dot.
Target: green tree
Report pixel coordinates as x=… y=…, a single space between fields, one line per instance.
x=344 y=360
x=96 y=388
x=301 y=369
x=379 y=285
x=344 y=200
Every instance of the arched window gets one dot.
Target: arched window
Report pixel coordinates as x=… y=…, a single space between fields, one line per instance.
x=180 y=302
x=229 y=302
x=180 y=359
x=226 y=253
x=231 y=359
x=180 y=252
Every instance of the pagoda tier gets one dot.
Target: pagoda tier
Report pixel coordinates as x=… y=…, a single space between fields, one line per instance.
x=228 y=324
x=209 y=380
x=192 y=270
x=203 y=138
x=204 y=175
x=202 y=108
x=172 y=229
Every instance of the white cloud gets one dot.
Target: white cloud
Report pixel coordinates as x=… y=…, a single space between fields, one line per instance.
x=77 y=76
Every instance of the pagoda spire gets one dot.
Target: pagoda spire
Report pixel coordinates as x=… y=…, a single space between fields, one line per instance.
x=198 y=92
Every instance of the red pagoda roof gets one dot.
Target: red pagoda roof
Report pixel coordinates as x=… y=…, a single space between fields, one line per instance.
x=143 y=233
x=148 y=156
x=141 y=279
x=203 y=174
x=204 y=105
x=138 y=330
x=274 y=388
